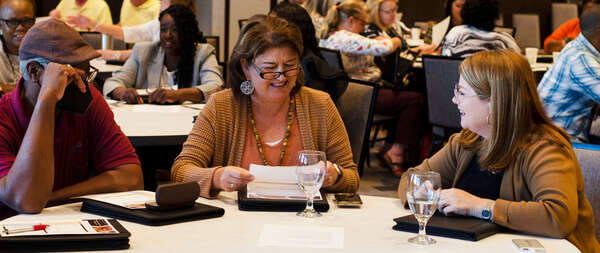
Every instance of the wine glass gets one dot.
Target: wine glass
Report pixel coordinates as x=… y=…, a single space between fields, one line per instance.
x=423 y=195
x=310 y=174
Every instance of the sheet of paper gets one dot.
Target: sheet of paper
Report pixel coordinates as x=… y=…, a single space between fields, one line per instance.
x=68 y=227
x=142 y=92
x=275 y=182
x=302 y=236
x=439 y=31
x=131 y=199
x=156 y=108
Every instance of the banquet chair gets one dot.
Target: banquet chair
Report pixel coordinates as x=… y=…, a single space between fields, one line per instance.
x=562 y=12
x=588 y=156
x=527 y=30
x=356 y=106
x=95 y=40
x=441 y=74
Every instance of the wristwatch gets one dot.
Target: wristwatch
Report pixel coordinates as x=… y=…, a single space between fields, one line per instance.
x=486 y=213
x=340 y=175
x=117 y=56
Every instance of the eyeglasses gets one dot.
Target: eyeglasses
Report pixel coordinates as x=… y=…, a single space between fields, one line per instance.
x=90 y=76
x=364 y=22
x=389 y=12
x=14 y=23
x=275 y=75
x=459 y=94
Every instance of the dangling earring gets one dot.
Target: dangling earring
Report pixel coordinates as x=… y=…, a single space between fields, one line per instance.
x=487 y=119
x=246 y=87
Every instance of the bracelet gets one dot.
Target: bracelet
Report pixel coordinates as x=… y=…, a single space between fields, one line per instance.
x=340 y=174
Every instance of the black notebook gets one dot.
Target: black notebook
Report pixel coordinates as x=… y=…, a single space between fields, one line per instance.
x=277 y=205
x=68 y=242
x=457 y=227
x=149 y=217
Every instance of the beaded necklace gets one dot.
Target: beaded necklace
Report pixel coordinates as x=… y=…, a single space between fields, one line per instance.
x=285 y=138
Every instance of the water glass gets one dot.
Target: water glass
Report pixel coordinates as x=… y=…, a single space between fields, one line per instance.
x=310 y=174
x=531 y=54
x=423 y=194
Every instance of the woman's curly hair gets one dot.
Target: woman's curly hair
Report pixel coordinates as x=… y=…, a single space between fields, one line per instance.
x=481 y=14
x=188 y=36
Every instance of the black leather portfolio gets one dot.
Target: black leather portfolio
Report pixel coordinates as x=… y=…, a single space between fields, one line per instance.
x=149 y=217
x=277 y=205
x=457 y=227
x=68 y=242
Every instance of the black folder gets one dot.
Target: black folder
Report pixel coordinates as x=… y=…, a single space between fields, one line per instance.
x=149 y=217
x=277 y=205
x=457 y=227
x=68 y=242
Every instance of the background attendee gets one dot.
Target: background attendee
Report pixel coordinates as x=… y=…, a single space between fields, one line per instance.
x=317 y=73
x=510 y=164
x=476 y=32
x=566 y=32
x=312 y=7
x=345 y=21
x=181 y=61
x=453 y=9
x=571 y=86
x=49 y=154
x=16 y=16
x=96 y=10
x=149 y=31
x=137 y=12
x=265 y=118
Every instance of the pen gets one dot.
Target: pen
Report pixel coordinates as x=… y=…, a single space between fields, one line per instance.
x=24 y=229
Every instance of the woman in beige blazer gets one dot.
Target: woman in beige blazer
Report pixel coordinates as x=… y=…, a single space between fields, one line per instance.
x=510 y=164
x=179 y=66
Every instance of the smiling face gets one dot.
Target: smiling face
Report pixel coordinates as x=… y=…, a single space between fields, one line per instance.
x=169 y=38
x=473 y=110
x=278 y=59
x=19 y=18
x=387 y=13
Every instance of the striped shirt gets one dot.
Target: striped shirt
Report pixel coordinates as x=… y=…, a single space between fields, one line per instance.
x=572 y=86
x=464 y=40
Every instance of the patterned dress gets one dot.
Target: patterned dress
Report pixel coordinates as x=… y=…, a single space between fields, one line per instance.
x=358 y=52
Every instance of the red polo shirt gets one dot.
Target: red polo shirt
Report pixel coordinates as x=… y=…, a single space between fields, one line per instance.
x=84 y=145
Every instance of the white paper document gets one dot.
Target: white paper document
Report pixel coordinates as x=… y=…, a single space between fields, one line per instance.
x=65 y=227
x=157 y=108
x=275 y=182
x=130 y=199
x=302 y=236
x=439 y=31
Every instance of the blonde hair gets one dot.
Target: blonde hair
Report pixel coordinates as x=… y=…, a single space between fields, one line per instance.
x=516 y=112
x=339 y=13
x=374 y=9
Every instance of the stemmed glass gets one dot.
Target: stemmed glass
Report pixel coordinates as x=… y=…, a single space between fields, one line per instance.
x=423 y=195
x=310 y=174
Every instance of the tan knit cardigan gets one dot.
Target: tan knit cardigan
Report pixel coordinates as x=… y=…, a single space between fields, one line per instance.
x=541 y=192
x=218 y=138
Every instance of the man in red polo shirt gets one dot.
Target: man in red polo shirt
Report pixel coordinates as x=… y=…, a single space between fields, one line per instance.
x=48 y=154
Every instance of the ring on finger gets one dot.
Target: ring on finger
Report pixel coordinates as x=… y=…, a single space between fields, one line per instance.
x=232 y=185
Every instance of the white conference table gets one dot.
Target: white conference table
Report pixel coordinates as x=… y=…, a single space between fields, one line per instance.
x=365 y=230
x=155 y=125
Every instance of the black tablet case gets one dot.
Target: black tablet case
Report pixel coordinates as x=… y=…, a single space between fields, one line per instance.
x=68 y=242
x=457 y=227
x=149 y=217
x=277 y=205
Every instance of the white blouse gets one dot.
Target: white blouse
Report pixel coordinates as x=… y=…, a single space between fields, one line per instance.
x=145 y=32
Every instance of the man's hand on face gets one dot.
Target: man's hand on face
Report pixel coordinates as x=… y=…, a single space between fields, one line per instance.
x=55 y=79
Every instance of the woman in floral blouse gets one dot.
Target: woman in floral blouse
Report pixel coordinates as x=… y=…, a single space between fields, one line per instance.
x=344 y=22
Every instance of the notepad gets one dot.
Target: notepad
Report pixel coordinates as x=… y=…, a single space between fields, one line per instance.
x=130 y=200
x=63 y=227
x=275 y=182
x=439 y=31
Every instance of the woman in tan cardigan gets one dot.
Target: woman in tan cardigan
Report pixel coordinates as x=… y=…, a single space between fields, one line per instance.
x=265 y=118
x=510 y=164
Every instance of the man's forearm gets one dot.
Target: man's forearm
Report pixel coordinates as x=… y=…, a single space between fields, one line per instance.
x=124 y=178
x=28 y=185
